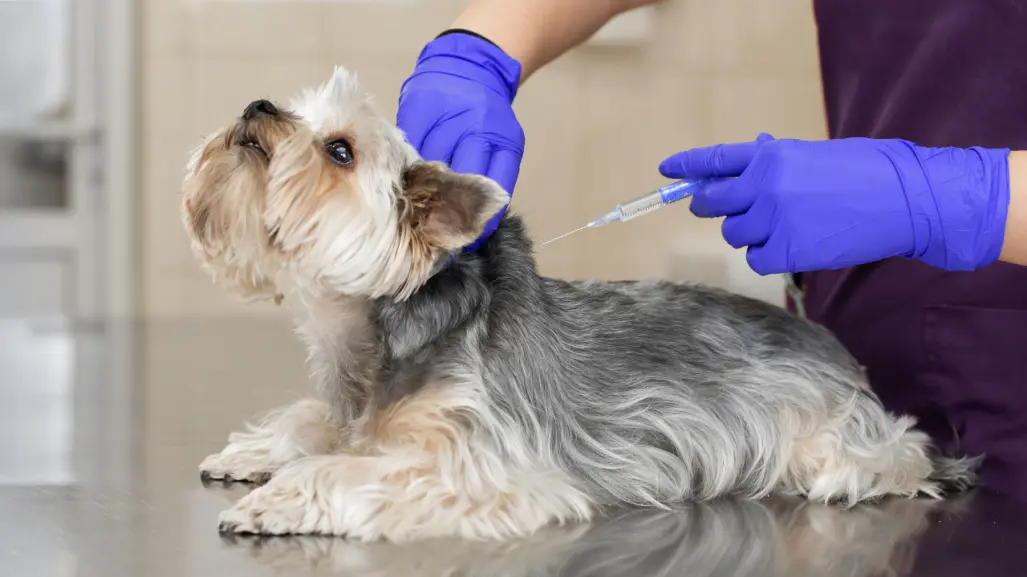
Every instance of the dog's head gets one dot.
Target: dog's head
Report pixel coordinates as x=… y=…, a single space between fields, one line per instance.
x=326 y=196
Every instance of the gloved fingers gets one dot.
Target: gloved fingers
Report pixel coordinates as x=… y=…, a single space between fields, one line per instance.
x=441 y=142
x=765 y=261
x=490 y=227
x=723 y=198
x=414 y=121
x=472 y=156
x=504 y=167
x=722 y=160
x=778 y=256
x=749 y=229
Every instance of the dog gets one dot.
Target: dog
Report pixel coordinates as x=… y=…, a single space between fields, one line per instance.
x=461 y=394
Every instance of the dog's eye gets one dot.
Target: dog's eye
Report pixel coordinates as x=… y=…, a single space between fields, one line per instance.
x=256 y=146
x=340 y=152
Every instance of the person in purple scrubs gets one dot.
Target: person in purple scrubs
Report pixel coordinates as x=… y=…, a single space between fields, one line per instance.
x=906 y=230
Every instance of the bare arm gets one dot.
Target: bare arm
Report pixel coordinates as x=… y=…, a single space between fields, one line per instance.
x=535 y=32
x=1014 y=245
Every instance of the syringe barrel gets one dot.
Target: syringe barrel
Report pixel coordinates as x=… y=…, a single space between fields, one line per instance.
x=650 y=201
x=639 y=205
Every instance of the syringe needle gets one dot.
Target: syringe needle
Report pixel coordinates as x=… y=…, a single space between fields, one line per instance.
x=565 y=235
x=640 y=205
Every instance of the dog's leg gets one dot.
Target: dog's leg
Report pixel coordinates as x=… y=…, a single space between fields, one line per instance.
x=426 y=468
x=371 y=498
x=284 y=435
x=859 y=454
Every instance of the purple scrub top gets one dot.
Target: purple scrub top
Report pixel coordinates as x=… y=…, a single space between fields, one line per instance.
x=949 y=348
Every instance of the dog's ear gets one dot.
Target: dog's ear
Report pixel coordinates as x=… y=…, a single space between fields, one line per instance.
x=447 y=209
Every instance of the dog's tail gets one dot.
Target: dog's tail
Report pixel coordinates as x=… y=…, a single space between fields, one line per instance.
x=955 y=475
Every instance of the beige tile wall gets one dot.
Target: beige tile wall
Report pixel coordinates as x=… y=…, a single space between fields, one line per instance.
x=598 y=121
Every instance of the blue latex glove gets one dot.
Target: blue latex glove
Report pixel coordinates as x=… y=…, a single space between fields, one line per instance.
x=804 y=206
x=456 y=108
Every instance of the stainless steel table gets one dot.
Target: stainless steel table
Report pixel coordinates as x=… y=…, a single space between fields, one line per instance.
x=142 y=511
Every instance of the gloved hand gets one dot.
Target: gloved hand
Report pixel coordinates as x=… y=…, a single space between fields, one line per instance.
x=819 y=205
x=456 y=108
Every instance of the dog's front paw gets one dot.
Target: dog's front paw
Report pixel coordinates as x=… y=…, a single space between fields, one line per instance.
x=283 y=436
x=274 y=509
x=237 y=463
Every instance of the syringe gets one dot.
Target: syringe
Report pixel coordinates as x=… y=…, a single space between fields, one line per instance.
x=648 y=202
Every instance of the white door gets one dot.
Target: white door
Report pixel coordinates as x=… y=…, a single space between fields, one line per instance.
x=51 y=229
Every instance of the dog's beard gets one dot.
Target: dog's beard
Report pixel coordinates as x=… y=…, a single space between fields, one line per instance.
x=223 y=214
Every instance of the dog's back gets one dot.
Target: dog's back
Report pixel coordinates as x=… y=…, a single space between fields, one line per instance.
x=651 y=392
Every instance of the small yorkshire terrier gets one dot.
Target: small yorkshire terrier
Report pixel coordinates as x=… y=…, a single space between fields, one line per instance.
x=463 y=395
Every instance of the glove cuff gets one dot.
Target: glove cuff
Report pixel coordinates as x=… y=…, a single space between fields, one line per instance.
x=470 y=55
x=466 y=32
x=959 y=210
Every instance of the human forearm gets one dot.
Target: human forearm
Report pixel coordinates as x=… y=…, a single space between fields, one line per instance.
x=1014 y=244
x=535 y=32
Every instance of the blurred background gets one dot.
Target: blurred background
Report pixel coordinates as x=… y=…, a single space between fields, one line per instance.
x=598 y=121
x=112 y=340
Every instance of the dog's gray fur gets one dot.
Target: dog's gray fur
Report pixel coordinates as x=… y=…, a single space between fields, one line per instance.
x=648 y=392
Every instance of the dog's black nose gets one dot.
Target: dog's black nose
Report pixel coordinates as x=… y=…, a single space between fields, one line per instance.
x=259 y=107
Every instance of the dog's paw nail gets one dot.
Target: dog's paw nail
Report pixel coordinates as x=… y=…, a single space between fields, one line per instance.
x=205 y=476
x=227 y=527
